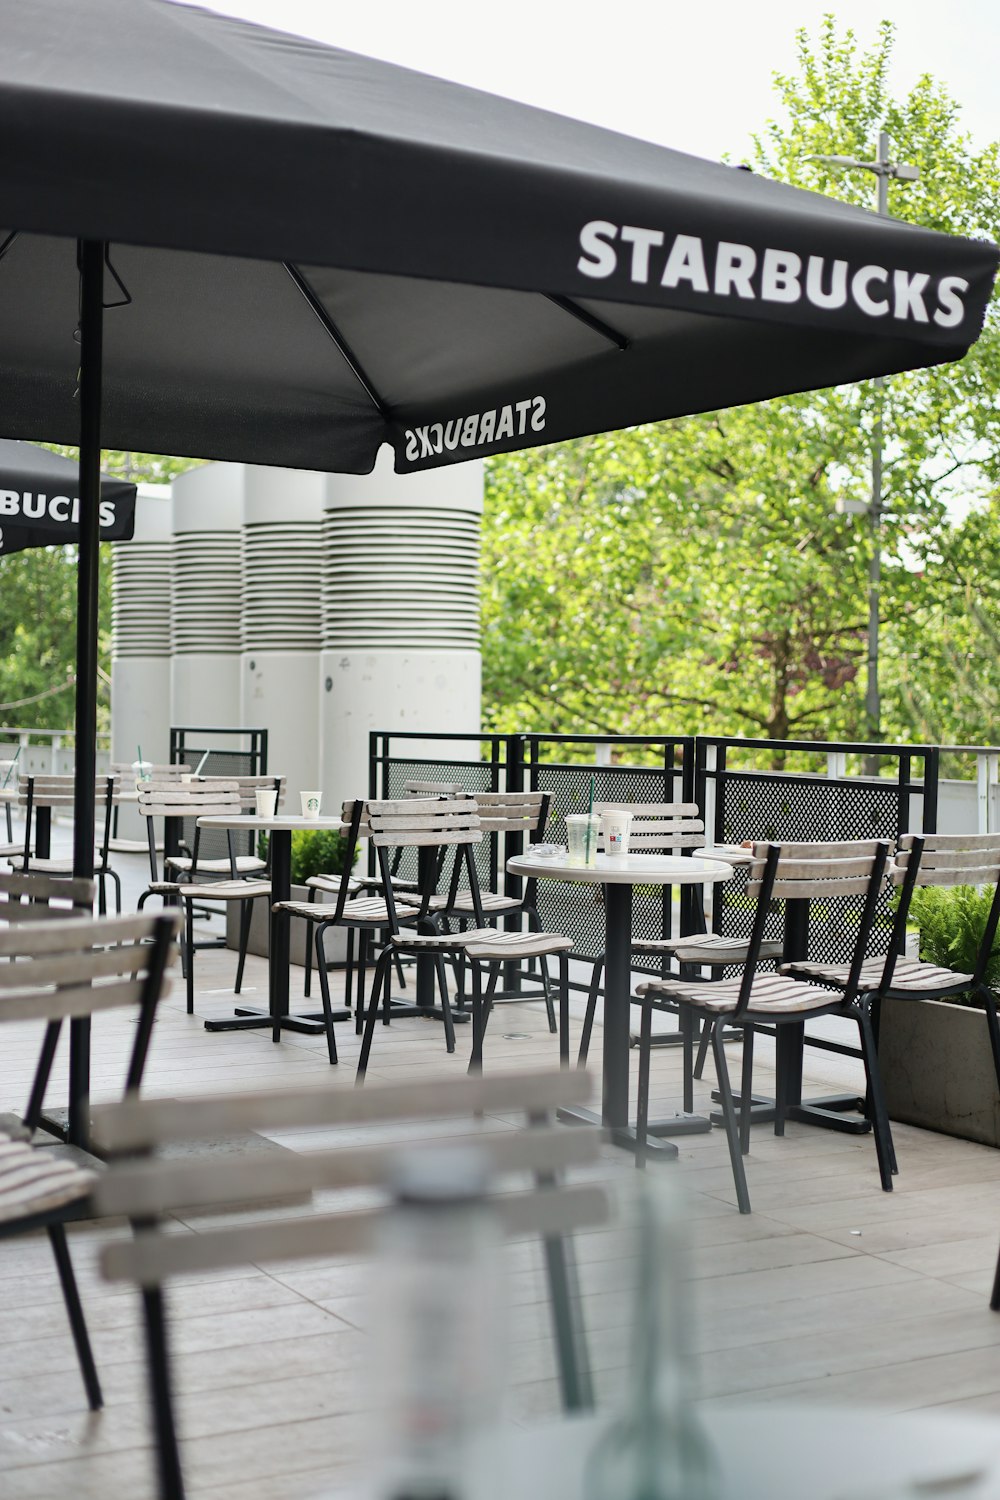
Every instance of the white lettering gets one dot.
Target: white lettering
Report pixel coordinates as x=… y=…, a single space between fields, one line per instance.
x=861 y=281
x=10 y=502
x=523 y=407
x=599 y=258
x=106 y=513
x=779 y=277
x=76 y=511
x=469 y=429
x=837 y=295
x=437 y=442
x=33 y=506
x=686 y=262
x=451 y=441
x=425 y=443
x=505 y=426
x=538 y=415
x=950 y=308
x=734 y=266
x=487 y=422
x=909 y=295
x=59 y=508
x=411 y=444
x=642 y=241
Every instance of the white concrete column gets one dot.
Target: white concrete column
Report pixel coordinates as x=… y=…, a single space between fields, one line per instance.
x=140 y=639
x=205 y=624
x=400 y=612
x=282 y=558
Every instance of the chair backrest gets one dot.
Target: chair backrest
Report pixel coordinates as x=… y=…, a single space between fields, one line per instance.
x=59 y=791
x=816 y=871
x=249 y=786
x=216 y=798
x=126 y=770
x=42 y=898
x=659 y=827
x=513 y=812
x=35 y=793
x=56 y=970
x=950 y=859
x=434 y=789
x=143 y=1189
x=432 y=824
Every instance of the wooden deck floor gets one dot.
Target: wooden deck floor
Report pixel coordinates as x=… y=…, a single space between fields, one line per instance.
x=830 y=1290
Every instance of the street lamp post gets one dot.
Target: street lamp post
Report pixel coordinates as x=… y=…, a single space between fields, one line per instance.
x=883 y=169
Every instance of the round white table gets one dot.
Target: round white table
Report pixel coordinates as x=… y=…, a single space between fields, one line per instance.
x=279 y=830
x=618 y=874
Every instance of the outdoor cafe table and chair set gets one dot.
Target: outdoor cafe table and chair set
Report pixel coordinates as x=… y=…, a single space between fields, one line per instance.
x=717 y=985
x=767 y=982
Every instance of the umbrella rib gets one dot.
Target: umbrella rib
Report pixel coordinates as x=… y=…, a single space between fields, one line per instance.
x=576 y=311
x=329 y=327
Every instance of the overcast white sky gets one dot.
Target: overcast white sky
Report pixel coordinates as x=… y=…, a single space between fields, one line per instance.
x=694 y=75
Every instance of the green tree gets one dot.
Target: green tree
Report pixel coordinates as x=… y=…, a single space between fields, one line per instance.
x=695 y=574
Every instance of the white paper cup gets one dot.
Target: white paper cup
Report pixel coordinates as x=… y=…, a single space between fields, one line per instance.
x=310 y=804
x=187 y=778
x=266 y=801
x=616 y=825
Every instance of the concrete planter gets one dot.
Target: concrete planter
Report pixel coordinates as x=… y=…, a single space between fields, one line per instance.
x=300 y=932
x=938 y=1070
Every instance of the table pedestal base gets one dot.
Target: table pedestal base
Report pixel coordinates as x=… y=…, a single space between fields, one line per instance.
x=843 y=1112
x=624 y=1135
x=252 y=1018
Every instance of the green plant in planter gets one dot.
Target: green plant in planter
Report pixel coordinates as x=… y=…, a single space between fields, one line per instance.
x=952 y=920
x=316 y=851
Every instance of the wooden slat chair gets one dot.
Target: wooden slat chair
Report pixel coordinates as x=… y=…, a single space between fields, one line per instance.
x=499 y=813
x=827 y=872
x=246 y=864
x=404 y=888
x=930 y=859
x=55 y=970
x=40 y=898
x=193 y=800
x=126 y=774
x=527 y=1165
x=57 y=793
x=672 y=828
x=365 y=916
x=449 y=823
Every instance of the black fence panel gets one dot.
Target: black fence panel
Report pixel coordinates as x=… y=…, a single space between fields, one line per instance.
x=750 y=805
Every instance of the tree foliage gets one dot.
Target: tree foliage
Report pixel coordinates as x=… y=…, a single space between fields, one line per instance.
x=695 y=574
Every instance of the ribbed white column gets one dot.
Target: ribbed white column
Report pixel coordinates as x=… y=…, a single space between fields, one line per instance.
x=205 y=623
x=140 y=639
x=280 y=627
x=400 y=612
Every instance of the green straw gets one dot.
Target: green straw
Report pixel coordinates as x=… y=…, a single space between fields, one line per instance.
x=13 y=764
x=590 y=818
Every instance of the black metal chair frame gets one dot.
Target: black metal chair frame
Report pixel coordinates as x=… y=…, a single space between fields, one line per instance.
x=853 y=1002
x=191 y=906
x=103 y=871
x=54 y=1220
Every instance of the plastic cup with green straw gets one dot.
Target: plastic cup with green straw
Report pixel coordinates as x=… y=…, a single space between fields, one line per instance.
x=13 y=763
x=590 y=825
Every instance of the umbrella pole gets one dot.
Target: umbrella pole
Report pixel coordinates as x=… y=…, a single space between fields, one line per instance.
x=92 y=254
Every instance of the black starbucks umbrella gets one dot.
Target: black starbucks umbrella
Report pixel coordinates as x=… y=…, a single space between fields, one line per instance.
x=281 y=253
x=40 y=500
